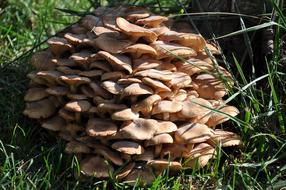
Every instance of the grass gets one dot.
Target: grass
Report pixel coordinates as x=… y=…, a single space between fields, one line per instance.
x=31 y=158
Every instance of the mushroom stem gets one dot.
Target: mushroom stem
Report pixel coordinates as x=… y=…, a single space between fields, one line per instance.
x=77 y=117
x=73 y=88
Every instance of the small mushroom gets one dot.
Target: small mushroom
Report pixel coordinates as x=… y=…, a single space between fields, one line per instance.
x=128 y=147
x=166 y=106
x=75 y=39
x=112 y=87
x=118 y=61
x=139 y=129
x=165 y=127
x=145 y=106
x=115 y=76
x=159 y=139
x=160 y=165
x=192 y=133
x=137 y=50
x=223 y=114
x=59 y=45
x=121 y=174
x=40 y=109
x=152 y=21
x=108 y=154
x=100 y=127
x=111 y=43
x=225 y=138
x=142 y=176
x=135 y=31
x=35 y=94
x=43 y=61
x=124 y=115
x=76 y=147
x=74 y=81
x=156 y=85
x=136 y=89
x=55 y=123
x=95 y=166
x=78 y=106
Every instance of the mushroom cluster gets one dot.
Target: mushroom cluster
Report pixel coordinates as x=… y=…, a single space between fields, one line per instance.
x=122 y=86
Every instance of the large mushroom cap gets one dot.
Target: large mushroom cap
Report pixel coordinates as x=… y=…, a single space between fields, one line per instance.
x=134 y=30
x=40 y=109
x=128 y=147
x=193 y=133
x=100 y=127
x=35 y=94
x=95 y=166
x=139 y=129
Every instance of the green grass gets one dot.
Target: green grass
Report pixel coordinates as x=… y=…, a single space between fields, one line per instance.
x=32 y=158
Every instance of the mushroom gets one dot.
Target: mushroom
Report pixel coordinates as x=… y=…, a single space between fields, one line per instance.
x=55 y=123
x=221 y=115
x=102 y=65
x=159 y=139
x=160 y=165
x=112 y=87
x=74 y=81
x=35 y=94
x=76 y=147
x=111 y=42
x=155 y=74
x=152 y=21
x=100 y=127
x=139 y=129
x=108 y=154
x=58 y=46
x=225 y=138
x=128 y=147
x=165 y=127
x=99 y=91
x=117 y=61
x=145 y=106
x=75 y=39
x=145 y=63
x=43 y=61
x=40 y=109
x=137 y=50
x=121 y=174
x=115 y=76
x=135 y=31
x=192 y=133
x=78 y=107
x=95 y=166
x=125 y=115
x=136 y=89
x=156 y=85
x=200 y=154
x=142 y=176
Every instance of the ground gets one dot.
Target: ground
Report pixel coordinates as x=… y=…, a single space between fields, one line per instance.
x=32 y=158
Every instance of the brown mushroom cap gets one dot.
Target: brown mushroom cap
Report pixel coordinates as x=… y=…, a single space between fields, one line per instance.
x=197 y=108
x=135 y=13
x=100 y=127
x=134 y=30
x=112 y=87
x=166 y=106
x=172 y=50
x=160 y=165
x=194 y=41
x=59 y=45
x=74 y=80
x=75 y=39
x=35 y=94
x=136 y=89
x=125 y=115
x=55 y=123
x=222 y=115
x=145 y=63
x=99 y=91
x=155 y=74
x=108 y=154
x=111 y=43
x=146 y=156
x=225 y=138
x=165 y=127
x=156 y=85
x=209 y=87
x=95 y=166
x=180 y=80
x=200 y=154
x=173 y=151
x=128 y=147
x=144 y=176
x=100 y=65
x=139 y=129
x=43 y=61
x=152 y=21
x=90 y=21
x=98 y=30
x=40 y=109
x=76 y=147
x=118 y=61
x=115 y=76
x=193 y=133
x=57 y=90
x=159 y=139
x=78 y=106
x=124 y=171
x=137 y=50
x=146 y=105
